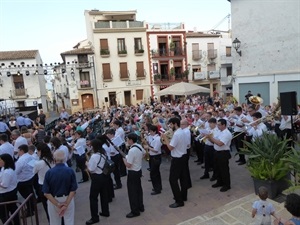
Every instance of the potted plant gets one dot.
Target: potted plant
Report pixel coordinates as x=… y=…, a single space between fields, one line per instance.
x=172 y=73
x=266 y=162
x=185 y=74
x=104 y=52
x=157 y=77
x=172 y=48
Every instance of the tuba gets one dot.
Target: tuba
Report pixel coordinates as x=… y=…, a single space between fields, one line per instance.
x=256 y=100
x=169 y=134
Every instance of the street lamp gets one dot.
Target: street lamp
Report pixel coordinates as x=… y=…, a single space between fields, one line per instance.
x=237 y=44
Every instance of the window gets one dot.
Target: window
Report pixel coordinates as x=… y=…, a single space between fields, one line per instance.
x=196 y=51
x=138 y=45
x=121 y=46
x=211 y=67
x=85 y=79
x=82 y=58
x=104 y=50
x=123 y=71
x=106 y=71
x=139 y=94
x=229 y=71
x=140 y=69
x=19 y=85
x=228 y=51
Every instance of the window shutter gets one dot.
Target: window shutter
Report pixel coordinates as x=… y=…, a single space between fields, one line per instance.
x=228 y=51
x=106 y=71
x=139 y=94
x=123 y=70
x=104 y=44
x=162 y=39
x=140 y=69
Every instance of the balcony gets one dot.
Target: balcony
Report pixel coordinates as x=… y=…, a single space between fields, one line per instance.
x=199 y=75
x=139 y=52
x=119 y=24
x=162 y=52
x=196 y=55
x=104 y=53
x=84 y=85
x=212 y=53
x=83 y=65
x=124 y=75
x=107 y=76
x=122 y=53
x=226 y=59
x=19 y=93
x=213 y=74
x=166 y=78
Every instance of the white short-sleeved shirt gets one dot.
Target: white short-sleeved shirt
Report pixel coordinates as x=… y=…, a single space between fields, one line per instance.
x=120 y=132
x=80 y=146
x=225 y=137
x=107 y=149
x=264 y=210
x=8 y=180
x=8 y=148
x=135 y=157
x=179 y=145
x=40 y=167
x=261 y=127
x=155 y=144
x=19 y=141
x=187 y=137
x=95 y=163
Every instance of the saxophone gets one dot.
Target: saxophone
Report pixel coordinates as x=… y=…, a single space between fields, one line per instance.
x=143 y=143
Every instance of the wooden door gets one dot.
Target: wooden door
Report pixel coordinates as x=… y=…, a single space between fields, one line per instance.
x=87 y=101
x=127 y=96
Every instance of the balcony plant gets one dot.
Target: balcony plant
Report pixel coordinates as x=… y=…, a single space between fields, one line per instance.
x=157 y=77
x=266 y=162
x=172 y=48
x=185 y=74
x=122 y=52
x=172 y=73
x=104 y=52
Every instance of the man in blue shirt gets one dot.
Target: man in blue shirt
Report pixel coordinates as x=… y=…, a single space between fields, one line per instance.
x=59 y=188
x=64 y=114
x=20 y=120
x=3 y=127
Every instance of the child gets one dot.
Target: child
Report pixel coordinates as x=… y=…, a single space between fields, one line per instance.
x=261 y=209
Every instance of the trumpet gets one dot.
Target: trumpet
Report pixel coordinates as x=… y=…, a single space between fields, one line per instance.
x=203 y=138
x=169 y=134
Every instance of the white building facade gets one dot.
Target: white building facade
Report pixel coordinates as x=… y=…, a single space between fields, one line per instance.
x=210 y=61
x=269 y=37
x=121 y=59
x=22 y=80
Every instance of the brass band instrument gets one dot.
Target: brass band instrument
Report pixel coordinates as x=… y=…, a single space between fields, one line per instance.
x=143 y=143
x=116 y=147
x=169 y=134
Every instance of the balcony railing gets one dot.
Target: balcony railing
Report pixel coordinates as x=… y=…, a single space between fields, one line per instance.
x=104 y=52
x=107 y=77
x=141 y=75
x=199 y=75
x=19 y=93
x=122 y=52
x=213 y=74
x=212 y=53
x=197 y=54
x=124 y=75
x=168 y=78
x=83 y=65
x=162 y=52
x=84 y=84
x=119 y=24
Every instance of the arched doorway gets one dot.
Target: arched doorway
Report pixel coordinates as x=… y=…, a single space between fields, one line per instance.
x=87 y=101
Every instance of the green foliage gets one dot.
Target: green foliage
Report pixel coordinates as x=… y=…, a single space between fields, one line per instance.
x=172 y=71
x=266 y=156
x=293 y=160
x=122 y=52
x=172 y=45
x=157 y=76
x=104 y=52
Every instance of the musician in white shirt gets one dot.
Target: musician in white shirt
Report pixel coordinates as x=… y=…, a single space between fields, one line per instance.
x=257 y=126
x=154 y=149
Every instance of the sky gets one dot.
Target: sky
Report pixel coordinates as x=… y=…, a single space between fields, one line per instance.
x=55 y=26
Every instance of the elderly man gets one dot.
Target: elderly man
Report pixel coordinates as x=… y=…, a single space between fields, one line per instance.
x=60 y=187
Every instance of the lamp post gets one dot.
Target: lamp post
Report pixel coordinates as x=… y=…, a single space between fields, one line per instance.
x=95 y=86
x=237 y=44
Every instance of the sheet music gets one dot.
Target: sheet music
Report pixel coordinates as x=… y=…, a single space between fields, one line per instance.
x=117 y=141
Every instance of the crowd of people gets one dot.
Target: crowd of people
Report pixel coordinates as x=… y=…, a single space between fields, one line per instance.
x=33 y=160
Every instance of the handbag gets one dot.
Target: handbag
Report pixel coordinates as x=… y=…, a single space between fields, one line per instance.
x=109 y=165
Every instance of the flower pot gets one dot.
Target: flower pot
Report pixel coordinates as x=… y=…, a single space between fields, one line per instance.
x=275 y=187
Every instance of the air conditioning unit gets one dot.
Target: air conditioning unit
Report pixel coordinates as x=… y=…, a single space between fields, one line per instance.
x=214 y=74
x=199 y=75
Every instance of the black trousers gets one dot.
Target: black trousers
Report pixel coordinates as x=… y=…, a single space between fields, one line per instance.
x=117 y=160
x=99 y=185
x=80 y=162
x=155 y=172
x=9 y=208
x=178 y=175
x=122 y=167
x=25 y=188
x=199 y=146
x=238 y=141
x=209 y=158
x=135 y=191
x=222 y=167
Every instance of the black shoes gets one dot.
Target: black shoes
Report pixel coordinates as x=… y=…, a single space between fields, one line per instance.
x=104 y=214
x=241 y=163
x=237 y=160
x=155 y=192
x=216 y=185
x=176 y=205
x=82 y=181
x=224 y=188
x=199 y=163
x=142 y=209
x=131 y=215
x=205 y=176
x=92 y=221
x=213 y=179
